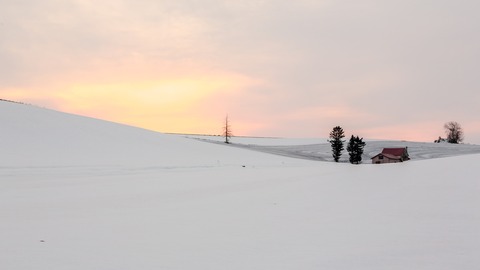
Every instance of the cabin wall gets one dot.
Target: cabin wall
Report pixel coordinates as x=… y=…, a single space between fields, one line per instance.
x=378 y=160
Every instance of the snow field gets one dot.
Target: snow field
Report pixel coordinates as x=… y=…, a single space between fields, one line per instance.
x=96 y=195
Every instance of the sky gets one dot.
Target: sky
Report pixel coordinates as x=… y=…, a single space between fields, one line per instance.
x=396 y=69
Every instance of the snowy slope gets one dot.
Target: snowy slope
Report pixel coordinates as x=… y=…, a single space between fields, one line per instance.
x=79 y=193
x=32 y=136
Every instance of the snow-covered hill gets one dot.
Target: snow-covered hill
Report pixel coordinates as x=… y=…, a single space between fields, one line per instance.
x=80 y=193
x=33 y=136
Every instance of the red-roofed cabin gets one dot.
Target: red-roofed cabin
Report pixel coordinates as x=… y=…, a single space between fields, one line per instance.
x=391 y=155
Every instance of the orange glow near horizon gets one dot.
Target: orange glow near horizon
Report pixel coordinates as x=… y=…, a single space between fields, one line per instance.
x=173 y=105
x=166 y=105
x=196 y=103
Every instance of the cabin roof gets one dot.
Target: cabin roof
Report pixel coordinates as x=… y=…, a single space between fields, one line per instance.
x=394 y=151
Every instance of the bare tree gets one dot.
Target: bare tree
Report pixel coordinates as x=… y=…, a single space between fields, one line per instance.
x=454 y=132
x=227 y=130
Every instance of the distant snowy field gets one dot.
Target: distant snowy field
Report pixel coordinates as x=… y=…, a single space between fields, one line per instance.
x=320 y=149
x=80 y=193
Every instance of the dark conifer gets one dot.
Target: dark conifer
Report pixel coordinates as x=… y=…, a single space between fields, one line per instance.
x=336 y=141
x=355 y=149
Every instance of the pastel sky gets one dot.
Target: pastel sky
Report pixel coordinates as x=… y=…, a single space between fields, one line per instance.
x=396 y=69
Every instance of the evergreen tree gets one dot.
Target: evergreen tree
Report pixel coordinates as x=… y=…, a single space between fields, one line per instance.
x=336 y=141
x=355 y=149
